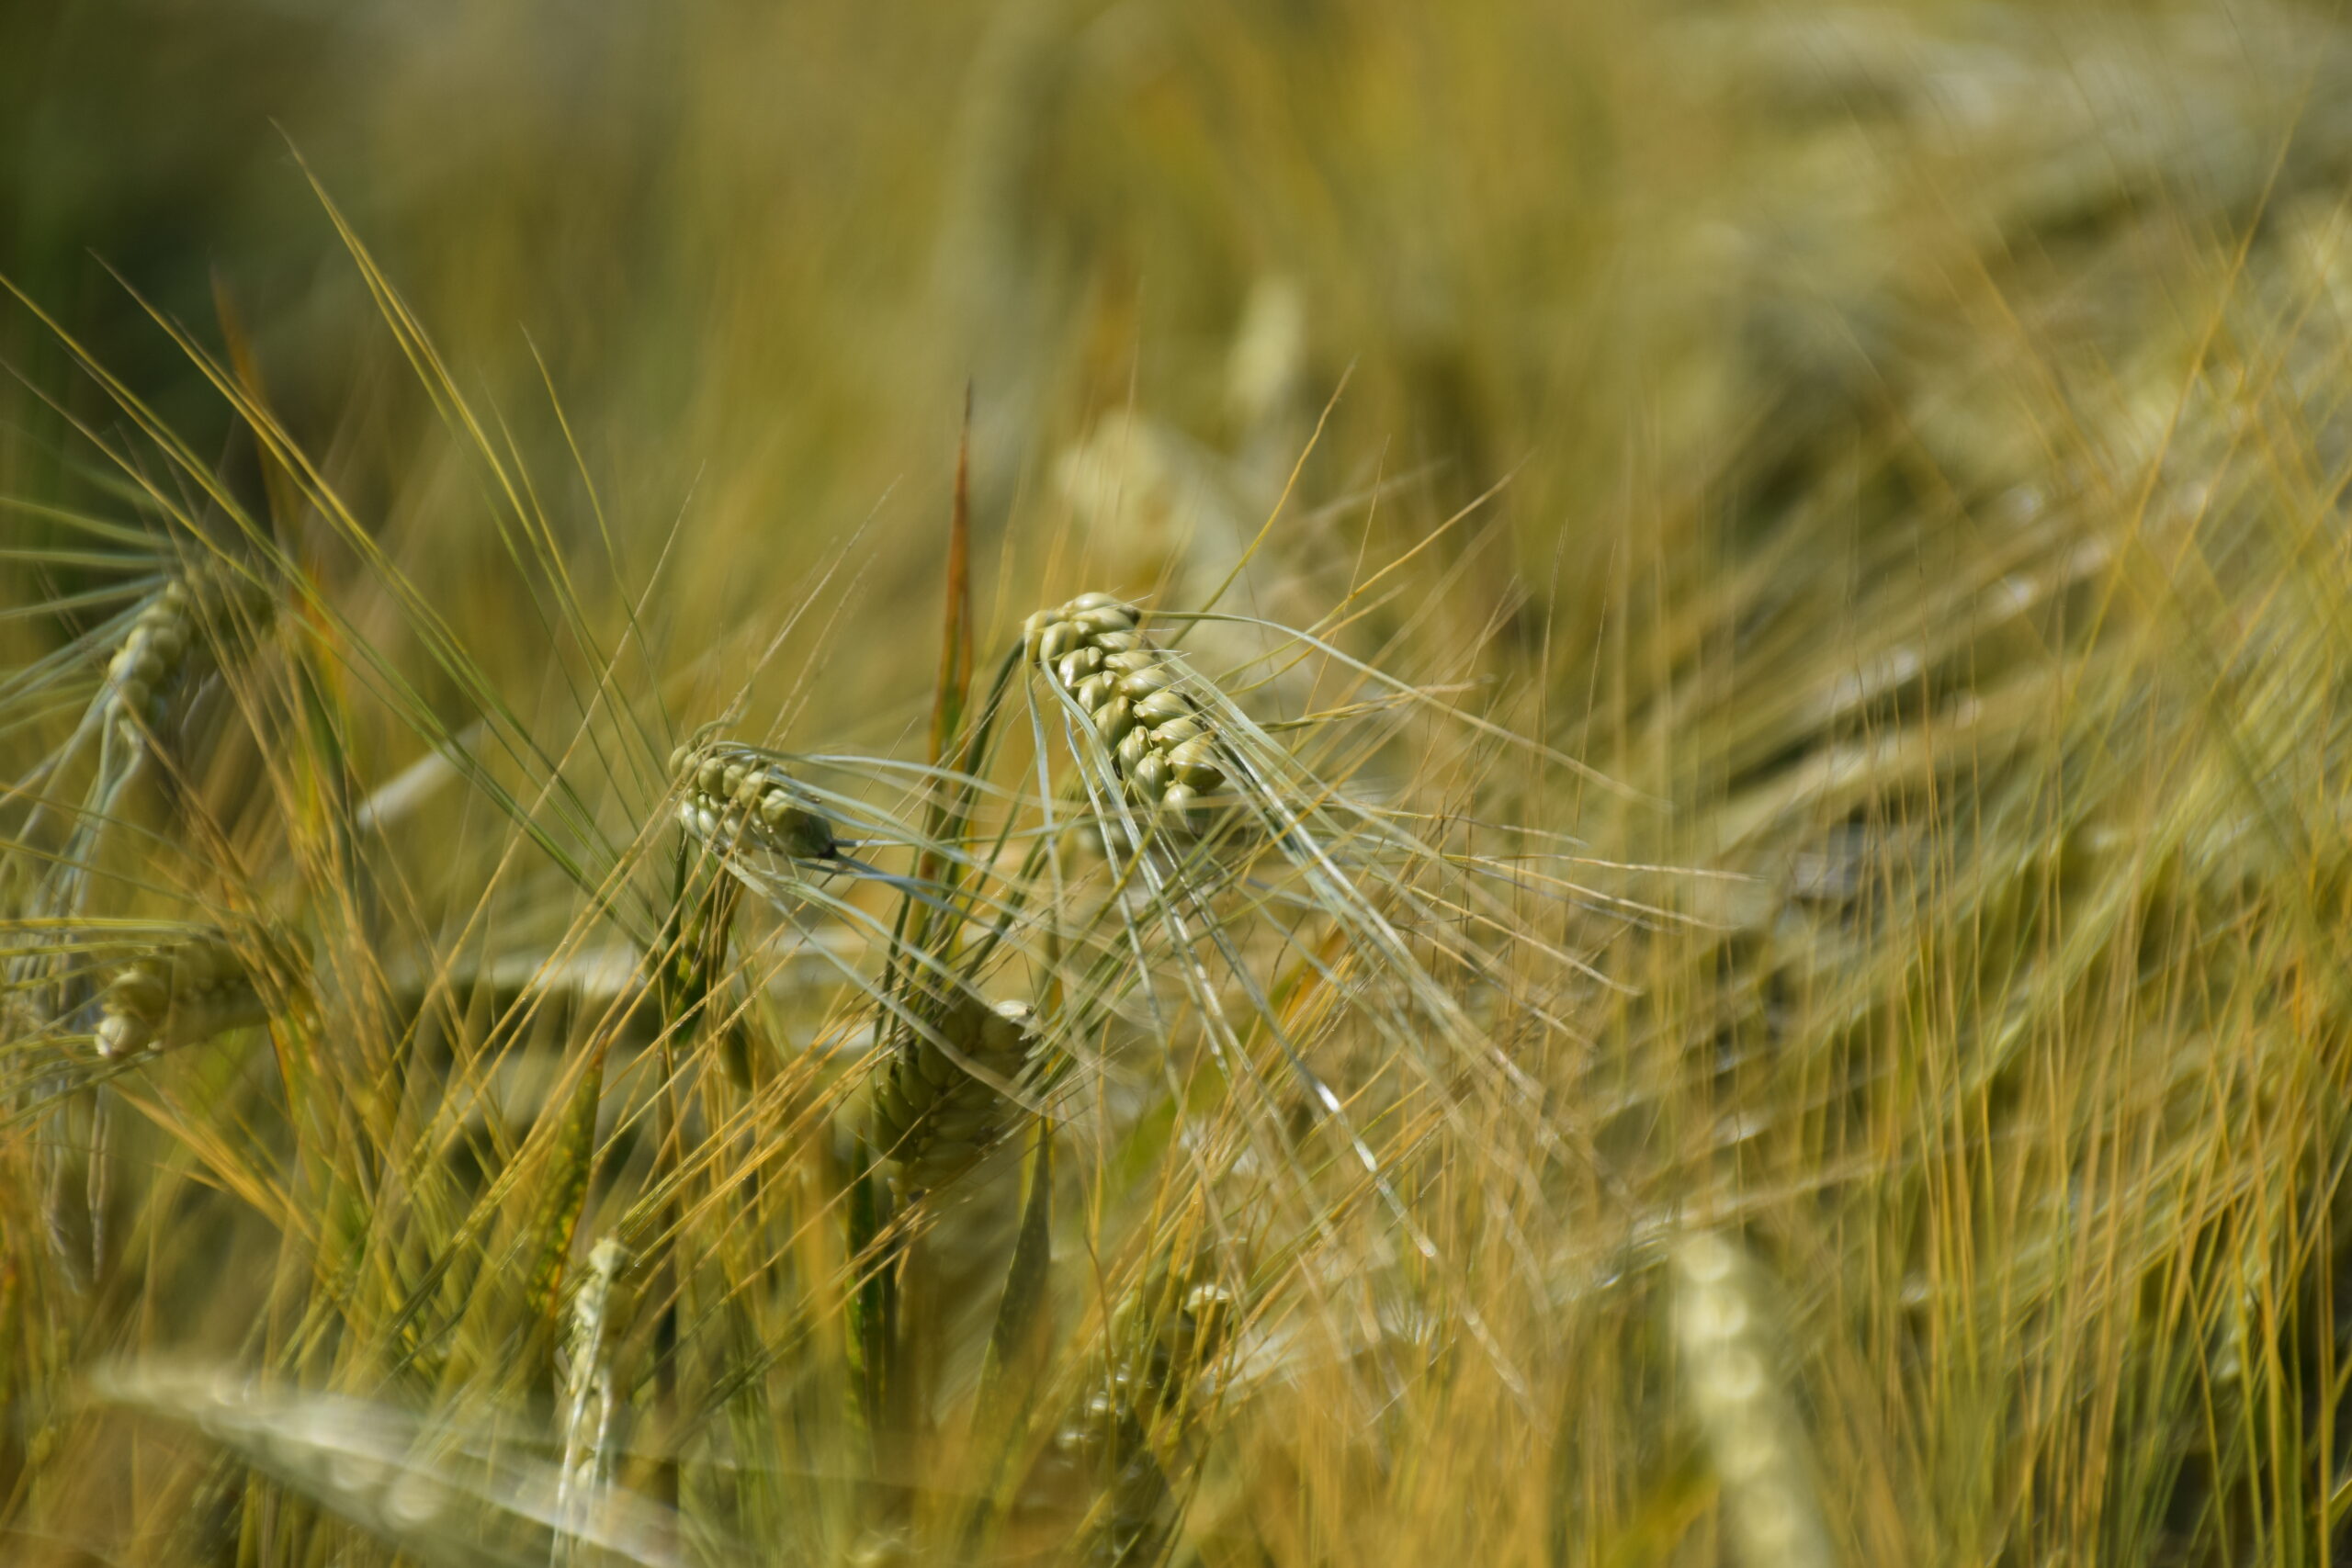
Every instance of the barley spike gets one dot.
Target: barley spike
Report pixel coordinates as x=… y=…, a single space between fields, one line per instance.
x=180 y=994
x=1162 y=741
x=931 y=1119
x=733 y=796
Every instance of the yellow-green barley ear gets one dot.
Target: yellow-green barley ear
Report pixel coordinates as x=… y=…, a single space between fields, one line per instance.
x=730 y=798
x=212 y=602
x=593 y=1395
x=186 y=992
x=1158 y=737
x=931 y=1116
x=1758 y=1447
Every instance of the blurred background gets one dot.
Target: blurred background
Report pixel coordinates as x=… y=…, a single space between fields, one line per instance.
x=1653 y=271
x=760 y=249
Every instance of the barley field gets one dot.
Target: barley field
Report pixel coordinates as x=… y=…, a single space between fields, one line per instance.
x=1280 y=784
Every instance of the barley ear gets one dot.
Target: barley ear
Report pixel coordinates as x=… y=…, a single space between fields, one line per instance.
x=186 y=992
x=1142 y=704
x=212 y=599
x=1136 y=1431
x=931 y=1118
x=730 y=796
x=591 y=1395
x=1756 y=1443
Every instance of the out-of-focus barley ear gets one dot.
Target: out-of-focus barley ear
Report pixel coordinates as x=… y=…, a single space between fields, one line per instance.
x=1756 y=1443
x=1135 y=1434
x=195 y=615
x=442 y=1495
x=206 y=609
x=931 y=1116
x=179 y=987
x=188 y=992
x=196 y=609
x=592 y=1396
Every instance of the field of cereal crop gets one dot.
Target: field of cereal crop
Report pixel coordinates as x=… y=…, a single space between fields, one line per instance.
x=1229 y=785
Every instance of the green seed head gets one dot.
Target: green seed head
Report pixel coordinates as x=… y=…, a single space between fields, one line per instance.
x=1160 y=738
x=733 y=796
x=932 y=1118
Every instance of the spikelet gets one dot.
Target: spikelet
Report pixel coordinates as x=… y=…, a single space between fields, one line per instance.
x=1133 y=1423
x=1161 y=741
x=931 y=1118
x=183 y=994
x=731 y=797
x=591 y=1394
x=155 y=652
x=1754 y=1439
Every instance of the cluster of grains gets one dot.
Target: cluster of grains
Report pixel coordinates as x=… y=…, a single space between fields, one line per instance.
x=734 y=796
x=1754 y=1438
x=180 y=995
x=931 y=1118
x=150 y=655
x=592 y=1394
x=1139 y=1415
x=1160 y=741
x=154 y=651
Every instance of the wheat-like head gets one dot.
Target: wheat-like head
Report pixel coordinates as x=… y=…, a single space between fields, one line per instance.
x=933 y=1116
x=1759 y=1450
x=1161 y=740
x=184 y=993
x=208 y=603
x=732 y=795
